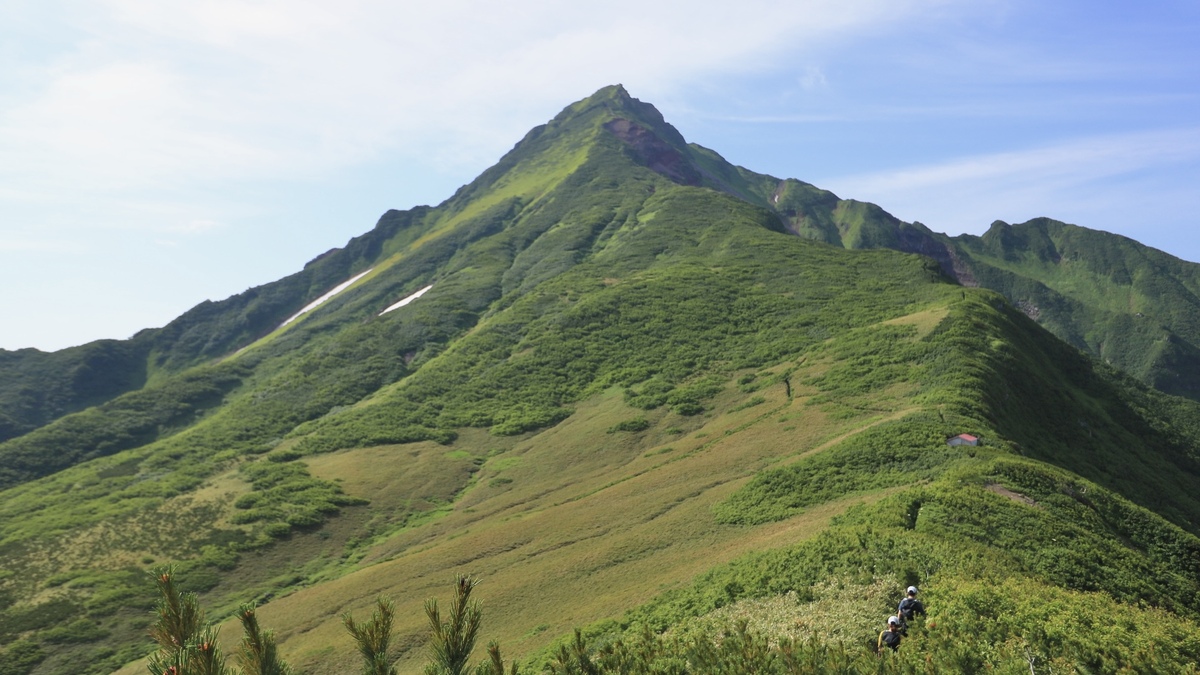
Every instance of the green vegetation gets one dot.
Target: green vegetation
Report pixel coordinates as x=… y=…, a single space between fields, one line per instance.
x=776 y=412
x=575 y=335
x=635 y=424
x=897 y=453
x=454 y=638
x=285 y=492
x=372 y=638
x=187 y=645
x=129 y=421
x=1025 y=571
x=1127 y=304
x=37 y=388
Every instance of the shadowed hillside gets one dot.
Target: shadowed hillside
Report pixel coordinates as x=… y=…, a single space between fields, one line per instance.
x=1130 y=305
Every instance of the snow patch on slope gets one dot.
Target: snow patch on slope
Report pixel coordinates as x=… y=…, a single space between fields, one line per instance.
x=407 y=300
x=315 y=303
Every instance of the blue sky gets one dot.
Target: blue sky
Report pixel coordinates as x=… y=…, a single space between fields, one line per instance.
x=154 y=155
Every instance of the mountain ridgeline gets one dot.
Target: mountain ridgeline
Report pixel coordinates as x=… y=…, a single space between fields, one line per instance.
x=644 y=393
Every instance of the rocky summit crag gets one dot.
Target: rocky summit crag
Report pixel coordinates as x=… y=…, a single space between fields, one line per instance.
x=643 y=393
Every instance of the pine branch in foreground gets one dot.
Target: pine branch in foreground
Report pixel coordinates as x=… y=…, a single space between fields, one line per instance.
x=185 y=645
x=257 y=654
x=495 y=663
x=372 y=637
x=454 y=639
x=177 y=615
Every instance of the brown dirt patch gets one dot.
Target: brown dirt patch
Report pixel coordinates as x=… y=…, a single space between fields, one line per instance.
x=1009 y=494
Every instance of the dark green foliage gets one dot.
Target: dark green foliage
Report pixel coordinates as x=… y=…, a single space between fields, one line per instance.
x=660 y=332
x=177 y=616
x=573 y=659
x=216 y=329
x=494 y=665
x=740 y=651
x=186 y=646
x=1128 y=304
x=635 y=424
x=1058 y=406
x=126 y=422
x=453 y=639
x=80 y=630
x=37 y=388
x=285 y=491
x=257 y=653
x=372 y=638
x=981 y=560
x=19 y=619
x=985 y=368
x=961 y=642
x=20 y=657
x=650 y=394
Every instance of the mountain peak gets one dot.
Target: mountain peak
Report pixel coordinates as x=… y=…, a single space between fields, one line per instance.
x=551 y=151
x=615 y=92
x=615 y=102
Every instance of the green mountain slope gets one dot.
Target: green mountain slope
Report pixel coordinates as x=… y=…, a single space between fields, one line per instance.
x=1132 y=306
x=630 y=377
x=37 y=387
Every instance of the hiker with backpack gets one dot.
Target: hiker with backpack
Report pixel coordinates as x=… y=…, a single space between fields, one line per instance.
x=910 y=606
x=889 y=638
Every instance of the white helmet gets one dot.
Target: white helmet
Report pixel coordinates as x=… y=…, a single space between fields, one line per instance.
x=912 y=590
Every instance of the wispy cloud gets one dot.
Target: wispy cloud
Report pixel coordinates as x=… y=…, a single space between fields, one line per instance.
x=162 y=93
x=30 y=245
x=1075 y=162
x=159 y=120
x=1075 y=177
x=1064 y=106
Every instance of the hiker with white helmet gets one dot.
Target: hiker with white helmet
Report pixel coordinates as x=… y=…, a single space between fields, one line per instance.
x=890 y=638
x=910 y=606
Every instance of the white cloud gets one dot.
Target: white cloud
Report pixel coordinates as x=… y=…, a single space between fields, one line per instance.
x=10 y=244
x=1072 y=180
x=161 y=93
x=1074 y=162
x=161 y=120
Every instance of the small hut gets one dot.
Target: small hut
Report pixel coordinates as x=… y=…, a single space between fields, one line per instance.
x=963 y=439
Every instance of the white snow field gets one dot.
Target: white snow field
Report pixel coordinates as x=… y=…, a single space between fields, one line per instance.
x=407 y=300
x=315 y=303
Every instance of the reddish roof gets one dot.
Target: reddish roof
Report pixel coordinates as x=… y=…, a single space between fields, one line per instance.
x=967 y=437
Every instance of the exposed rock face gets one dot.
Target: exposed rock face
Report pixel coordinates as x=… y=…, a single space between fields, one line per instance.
x=914 y=240
x=1029 y=308
x=653 y=152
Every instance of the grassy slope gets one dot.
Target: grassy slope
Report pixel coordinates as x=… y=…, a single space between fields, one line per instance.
x=635 y=520
x=992 y=537
x=517 y=534
x=590 y=289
